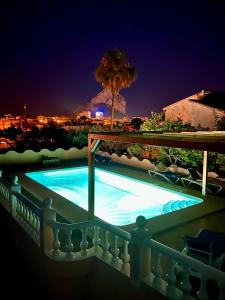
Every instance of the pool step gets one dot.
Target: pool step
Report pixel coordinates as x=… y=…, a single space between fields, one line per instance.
x=176 y=205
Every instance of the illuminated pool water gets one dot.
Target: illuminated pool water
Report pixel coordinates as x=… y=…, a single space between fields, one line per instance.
x=118 y=199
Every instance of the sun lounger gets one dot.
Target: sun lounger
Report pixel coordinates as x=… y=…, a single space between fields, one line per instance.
x=168 y=177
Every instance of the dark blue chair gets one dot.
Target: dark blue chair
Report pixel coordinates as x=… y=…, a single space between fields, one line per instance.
x=207 y=246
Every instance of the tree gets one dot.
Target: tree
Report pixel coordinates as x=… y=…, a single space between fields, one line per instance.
x=136 y=122
x=115 y=73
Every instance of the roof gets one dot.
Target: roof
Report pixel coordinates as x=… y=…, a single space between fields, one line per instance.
x=199 y=140
x=212 y=99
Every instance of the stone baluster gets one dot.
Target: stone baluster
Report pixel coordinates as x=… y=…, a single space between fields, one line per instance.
x=27 y=218
x=115 y=251
x=171 y=290
x=84 y=242
x=15 y=187
x=30 y=221
x=105 y=245
x=34 y=223
x=157 y=271
x=22 y=213
x=38 y=229
x=96 y=239
x=68 y=244
x=56 y=243
x=140 y=255
x=48 y=214
x=18 y=210
x=202 y=294
x=125 y=258
x=185 y=284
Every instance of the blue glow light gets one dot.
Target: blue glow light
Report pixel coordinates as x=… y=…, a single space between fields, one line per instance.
x=118 y=199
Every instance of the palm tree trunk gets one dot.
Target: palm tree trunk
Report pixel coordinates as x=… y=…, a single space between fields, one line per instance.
x=113 y=106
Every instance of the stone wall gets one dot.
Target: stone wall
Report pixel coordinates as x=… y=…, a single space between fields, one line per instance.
x=133 y=161
x=194 y=113
x=32 y=157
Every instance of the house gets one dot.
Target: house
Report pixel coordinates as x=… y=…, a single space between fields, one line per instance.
x=202 y=109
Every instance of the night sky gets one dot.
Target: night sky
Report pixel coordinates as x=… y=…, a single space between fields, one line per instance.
x=50 y=50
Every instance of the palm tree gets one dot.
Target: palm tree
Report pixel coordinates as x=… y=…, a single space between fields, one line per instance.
x=115 y=73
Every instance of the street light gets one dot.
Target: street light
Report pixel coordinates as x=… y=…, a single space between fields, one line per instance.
x=25 y=118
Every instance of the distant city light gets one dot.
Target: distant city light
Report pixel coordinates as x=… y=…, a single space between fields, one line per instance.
x=99 y=115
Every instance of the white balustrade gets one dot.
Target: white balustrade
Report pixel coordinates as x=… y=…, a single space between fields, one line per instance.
x=96 y=239
x=6 y=189
x=56 y=243
x=185 y=284
x=129 y=253
x=105 y=245
x=68 y=244
x=125 y=257
x=84 y=242
x=157 y=271
x=27 y=217
x=202 y=294
x=171 y=289
x=115 y=251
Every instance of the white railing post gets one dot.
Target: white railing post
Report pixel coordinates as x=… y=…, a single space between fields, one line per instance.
x=185 y=284
x=140 y=255
x=84 y=242
x=15 y=187
x=46 y=232
x=125 y=258
x=96 y=239
x=105 y=245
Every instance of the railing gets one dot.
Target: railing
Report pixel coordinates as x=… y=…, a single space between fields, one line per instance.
x=81 y=240
x=28 y=215
x=7 y=186
x=135 y=254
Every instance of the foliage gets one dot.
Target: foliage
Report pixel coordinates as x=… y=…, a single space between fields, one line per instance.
x=156 y=122
x=194 y=158
x=136 y=123
x=221 y=124
x=115 y=73
x=221 y=161
x=135 y=150
x=77 y=139
x=169 y=155
x=153 y=123
x=11 y=132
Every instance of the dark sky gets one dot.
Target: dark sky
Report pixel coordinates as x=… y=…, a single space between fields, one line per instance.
x=50 y=50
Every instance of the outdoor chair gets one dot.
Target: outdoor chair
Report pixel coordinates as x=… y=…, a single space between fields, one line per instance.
x=102 y=160
x=195 y=181
x=211 y=188
x=207 y=246
x=167 y=177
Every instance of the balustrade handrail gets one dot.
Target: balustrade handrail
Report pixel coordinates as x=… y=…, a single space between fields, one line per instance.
x=67 y=226
x=28 y=203
x=186 y=260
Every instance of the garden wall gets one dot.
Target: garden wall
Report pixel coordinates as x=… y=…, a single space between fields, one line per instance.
x=133 y=161
x=32 y=157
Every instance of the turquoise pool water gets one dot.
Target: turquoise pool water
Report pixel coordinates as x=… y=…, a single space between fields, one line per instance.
x=118 y=199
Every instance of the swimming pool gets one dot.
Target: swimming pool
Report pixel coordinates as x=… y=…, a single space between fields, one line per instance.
x=118 y=199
